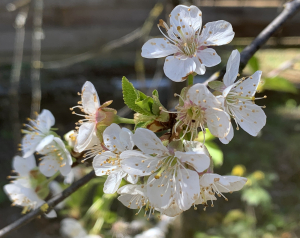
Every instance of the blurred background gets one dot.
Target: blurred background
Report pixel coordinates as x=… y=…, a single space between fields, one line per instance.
x=49 y=48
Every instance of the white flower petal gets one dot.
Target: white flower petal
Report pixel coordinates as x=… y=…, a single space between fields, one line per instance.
x=250 y=117
x=113 y=182
x=157 y=48
x=198 y=160
x=178 y=70
x=117 y=139
x=159 y=191
x=248 y=87
x=148 y=142
x=44 y=142
x=23 y=165
x=216 y=33
x=218 y=122
x=131 y=201
x=172 y=211
x=100 y=165
x=232 y=68
x=71 y=228
x=45 y=120
x=190 y=17
x=209 y=57
x=231 y=183
x=200 y=68
x=136 y=163
x=126 y=139
x=133 y=189
x=201 y=96
x=65 y=169
x=90 y=99
x=132 y=178
x=188 y=189
x=49 y=166
x=51 y=214
x=29 y=143
x=85 y=135
x=14 y=192
x=229 y=137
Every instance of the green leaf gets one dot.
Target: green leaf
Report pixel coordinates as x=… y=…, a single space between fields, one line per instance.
x=131 y=95
x=145 y=103
x=279 y=84
x=216 y=85
x=156 y=103
x=254 y=64
x=215 y=152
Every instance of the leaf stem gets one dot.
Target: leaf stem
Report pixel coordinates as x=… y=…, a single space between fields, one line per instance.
x=124 y=120
x=190 y=79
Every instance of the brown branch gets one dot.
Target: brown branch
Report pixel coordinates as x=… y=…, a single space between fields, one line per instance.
x=289 y=10
x=51 y=203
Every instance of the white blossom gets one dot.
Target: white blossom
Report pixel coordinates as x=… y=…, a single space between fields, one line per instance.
x=170 y=182
x=38 y=133
x=70 y=138
x=238 y=99
x=23 y=166
x=116 y=140
x=214 y=184
x=72 y=228
x=56 y=158
x=93 y=114
x=23 y=191
x=133 y=196
x=185 y=45
x=200 y=108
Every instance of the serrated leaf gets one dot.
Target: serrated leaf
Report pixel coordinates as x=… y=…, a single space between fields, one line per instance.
x=145 y=104
x=217 y=85
x=131 y=95
x=279 y=84
x=155 y=93
x=157 y=104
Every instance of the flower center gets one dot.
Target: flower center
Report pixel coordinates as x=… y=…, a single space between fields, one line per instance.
x=192 y=116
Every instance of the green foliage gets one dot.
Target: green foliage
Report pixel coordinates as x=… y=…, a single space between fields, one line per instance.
x=131 y=96
x=279 y=84
x=256 y=196
x=213 y=149
x=254 y=63
x=138 y=101
x=215 y=152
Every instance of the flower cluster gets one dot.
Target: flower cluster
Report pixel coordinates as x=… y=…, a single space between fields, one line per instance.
x=166 y=168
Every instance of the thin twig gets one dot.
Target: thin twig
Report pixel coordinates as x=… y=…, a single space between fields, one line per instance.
x=289 y=10
x=51 y=203
x=16 y=72
x=37 y=36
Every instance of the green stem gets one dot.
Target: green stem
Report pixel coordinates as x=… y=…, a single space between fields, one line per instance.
x=190 y=79
x=124 y=120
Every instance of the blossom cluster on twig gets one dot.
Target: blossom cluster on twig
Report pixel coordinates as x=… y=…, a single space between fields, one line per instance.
x=167 y=169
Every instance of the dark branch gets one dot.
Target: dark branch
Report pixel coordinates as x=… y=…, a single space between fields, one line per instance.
x=289 y=10
x=52 y=203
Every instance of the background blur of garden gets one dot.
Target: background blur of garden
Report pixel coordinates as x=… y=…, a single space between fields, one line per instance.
x=82 y=40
